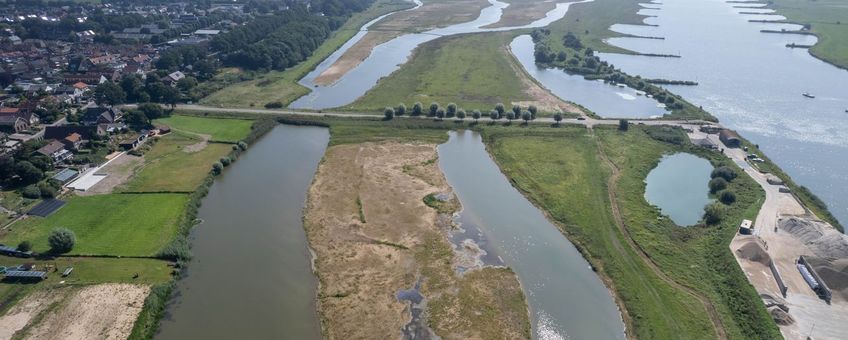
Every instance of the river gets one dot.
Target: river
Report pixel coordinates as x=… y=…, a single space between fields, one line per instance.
x=389 y=56
x=250 y=277
x=753 y=83
x=567 y=300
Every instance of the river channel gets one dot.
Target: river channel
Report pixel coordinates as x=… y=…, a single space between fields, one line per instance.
x=753 y=83
x=250 y=277
x=389 y=56
x=567 y=299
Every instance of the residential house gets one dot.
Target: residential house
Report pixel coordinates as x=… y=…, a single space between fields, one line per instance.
x=13 y=124
x=173 y=78
x=56 y=151
x=62 y=131
x=96 y=115
x=73 y=141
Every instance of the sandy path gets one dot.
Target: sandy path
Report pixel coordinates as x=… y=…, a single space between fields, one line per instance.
x=118 y=172
x=24 y=311
x=106 y=311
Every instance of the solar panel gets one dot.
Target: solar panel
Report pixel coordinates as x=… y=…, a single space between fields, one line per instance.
x=46 y=207
x=25 y=274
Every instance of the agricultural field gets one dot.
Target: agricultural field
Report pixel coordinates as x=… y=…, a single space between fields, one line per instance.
x=282 y=86
x=453 y=69
x=664 y=274
x=218 y=130
x=115 y=224
x=178 y=162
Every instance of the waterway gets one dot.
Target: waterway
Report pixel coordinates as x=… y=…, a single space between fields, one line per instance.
x=567 y=300
x=753 y=83
x=250 y=277
x=389 y=56
x=606 y=100
x=679 y=187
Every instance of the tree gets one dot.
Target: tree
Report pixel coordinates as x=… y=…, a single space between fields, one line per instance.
x=516 y=110
x=724 y=172
x=713 y=213
x=623 y=125
x=61 y=240
x=417 y=109
x=476 y=115
x=24 y=246
x=526 y=116
x=451 y=111
x=558 y=118
x=460 y=114
x=440 y=114
x=27 y=172
x=151 y=110
x=187 y=83
x=389 y=113
x=533 y=110
x=109 y=93
x=717 y=184
x=494 y=115
x=510 y=116
x=500 y=108
x=401 y=109
x=561 y=56
x=727 y=197
x=434 y=108
x=137 y=120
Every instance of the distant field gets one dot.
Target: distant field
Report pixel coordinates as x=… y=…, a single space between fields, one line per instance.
x=93 y=270
x=473 y=71
x=828 y=19
x=172 y=166
x=561 y=171
x=591 y=21
x=223 y=130
x=282 y=86
x=114 y=224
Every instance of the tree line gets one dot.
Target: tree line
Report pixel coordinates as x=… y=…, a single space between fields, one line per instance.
x=435 y=110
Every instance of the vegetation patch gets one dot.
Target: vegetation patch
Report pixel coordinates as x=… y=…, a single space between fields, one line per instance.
x=114 y=224
x=175 y=164
x=221 y=130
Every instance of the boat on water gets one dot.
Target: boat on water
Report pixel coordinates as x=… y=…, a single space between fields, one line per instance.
x=808 y=95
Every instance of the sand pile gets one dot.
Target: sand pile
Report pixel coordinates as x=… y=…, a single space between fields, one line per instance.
x=834 y=273
x=781 y=317
x=820 y=237
x=753 y=251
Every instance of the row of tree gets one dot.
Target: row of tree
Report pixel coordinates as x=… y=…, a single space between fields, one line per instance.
x=452 y=110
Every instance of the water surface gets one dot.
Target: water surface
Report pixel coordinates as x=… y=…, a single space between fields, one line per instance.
x=250 y=277
x=567 y=299
x=679 y=187
x=604 y=99
x=753 y=84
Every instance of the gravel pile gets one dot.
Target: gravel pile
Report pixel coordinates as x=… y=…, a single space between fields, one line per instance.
x=752 y=251
x=820 y=237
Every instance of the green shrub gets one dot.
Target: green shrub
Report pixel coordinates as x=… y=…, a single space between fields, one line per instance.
x=24 y=246
x=713 y=214
x=61 y=240
x=274 y=105
x=724 y=172
x=31 y=191
x=727 y=197
x=717 y=184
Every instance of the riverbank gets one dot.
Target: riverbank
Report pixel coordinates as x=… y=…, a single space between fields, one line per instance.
x=827 y=19
x=374 y=238
x=282 y=86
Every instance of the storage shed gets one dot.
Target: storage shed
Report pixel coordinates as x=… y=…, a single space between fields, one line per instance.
x=730 y=138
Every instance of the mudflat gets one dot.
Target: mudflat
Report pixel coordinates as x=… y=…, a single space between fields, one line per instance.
x=373 y=236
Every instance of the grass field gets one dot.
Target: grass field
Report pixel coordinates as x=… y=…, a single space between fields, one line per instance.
x=168 y=167
x=562 y=173
x=282 y=86
x=115 y=224
x=591 y=21
x=828 y=19
x=343 y=131
x=222 y=130
x=473 y=71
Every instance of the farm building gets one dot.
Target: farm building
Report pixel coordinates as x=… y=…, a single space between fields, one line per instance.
x=730 y=138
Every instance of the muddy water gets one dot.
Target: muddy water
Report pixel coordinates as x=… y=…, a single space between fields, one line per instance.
x=566 y=298
x=679 y=187
x=250 y=277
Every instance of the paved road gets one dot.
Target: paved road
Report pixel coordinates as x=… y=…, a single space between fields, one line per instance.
x=585 y=120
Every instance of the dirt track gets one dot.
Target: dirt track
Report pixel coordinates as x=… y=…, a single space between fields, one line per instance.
x=373 y=236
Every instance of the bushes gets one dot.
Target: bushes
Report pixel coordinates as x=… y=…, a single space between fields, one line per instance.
x=717 y=184
x=727 y=197
x=274 y=105
x=61 y=240
x=673 y=135
x=724 y=172
x=31 y=192
x=713 y=214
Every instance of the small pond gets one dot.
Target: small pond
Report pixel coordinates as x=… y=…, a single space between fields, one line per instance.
x=679 y=187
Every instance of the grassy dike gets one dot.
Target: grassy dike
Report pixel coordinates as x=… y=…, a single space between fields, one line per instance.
x=828 y=20
x=282 y=86
x=178 y=250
